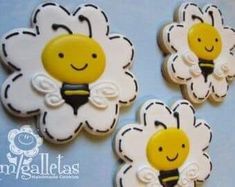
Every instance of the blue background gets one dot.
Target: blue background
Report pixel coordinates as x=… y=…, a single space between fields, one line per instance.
x=140 y=21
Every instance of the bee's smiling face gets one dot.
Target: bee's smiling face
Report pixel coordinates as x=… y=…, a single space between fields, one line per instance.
x=205 y=41
x=168 y=149
x=74 y=59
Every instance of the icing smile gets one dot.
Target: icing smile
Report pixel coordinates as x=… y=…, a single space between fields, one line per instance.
x=79 y=69
x=172 y=159
x=209 y=50
x=25 y=140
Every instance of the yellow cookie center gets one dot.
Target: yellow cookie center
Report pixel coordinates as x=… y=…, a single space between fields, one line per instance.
x=74 y=59
x=205 y=41
x=168 y=149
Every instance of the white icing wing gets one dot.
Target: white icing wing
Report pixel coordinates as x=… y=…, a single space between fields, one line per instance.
x=188 y=174
x=190 y=58
x=149 y=177
x=54 y=99
x=44 y=85
x=102 y=92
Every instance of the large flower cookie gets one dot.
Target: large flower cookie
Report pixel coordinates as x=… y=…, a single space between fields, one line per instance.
x=69 y=70
x=167 y=148
x=201 y=52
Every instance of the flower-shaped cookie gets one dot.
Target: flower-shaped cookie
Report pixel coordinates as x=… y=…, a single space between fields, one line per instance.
x=166 y=148
x=70 y=70
x=201 y=51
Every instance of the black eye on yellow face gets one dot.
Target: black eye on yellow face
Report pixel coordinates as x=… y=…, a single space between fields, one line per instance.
x=61 y=55
x=94 y=55
x=183 y=145
x=160 y=149
x=216 y=40
x=199 y=39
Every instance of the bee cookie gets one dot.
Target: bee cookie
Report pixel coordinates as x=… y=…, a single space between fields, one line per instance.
x=201 y=53
x=166 y=149
x=69 y=71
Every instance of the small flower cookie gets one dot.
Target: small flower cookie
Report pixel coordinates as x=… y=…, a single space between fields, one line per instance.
x=201 y=52
x=167 y=148
x=69 y=70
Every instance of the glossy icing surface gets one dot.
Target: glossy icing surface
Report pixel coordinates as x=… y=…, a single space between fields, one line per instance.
x=88 y=150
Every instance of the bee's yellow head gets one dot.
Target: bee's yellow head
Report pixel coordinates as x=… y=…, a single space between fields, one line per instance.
x=74 y=59
x=205 y=41
x=167 y=149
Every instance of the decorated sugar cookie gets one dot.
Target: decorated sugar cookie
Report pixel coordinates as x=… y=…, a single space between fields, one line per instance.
x=166 y=149
x=201 y=53
x=68 y=70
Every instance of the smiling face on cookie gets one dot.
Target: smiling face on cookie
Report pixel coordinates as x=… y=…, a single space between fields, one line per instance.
x=168 y=149
x=74 y=59
x=205 y=41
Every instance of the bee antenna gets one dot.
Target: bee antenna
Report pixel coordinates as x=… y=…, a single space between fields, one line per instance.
x=212 y=18
x=198 y=18
x=55 y=27
x=83 y=18
x=159 y=123
x=176 y=115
